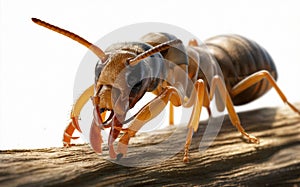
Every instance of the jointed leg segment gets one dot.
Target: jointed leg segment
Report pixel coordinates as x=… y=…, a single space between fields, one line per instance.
x=256 y=77
x=67 y=137
x=148 y=112
x=171 y=115
x=74 y=125
x=217 y=83
x=199 y=91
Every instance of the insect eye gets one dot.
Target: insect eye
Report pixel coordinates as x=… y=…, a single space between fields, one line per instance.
x=133 y=76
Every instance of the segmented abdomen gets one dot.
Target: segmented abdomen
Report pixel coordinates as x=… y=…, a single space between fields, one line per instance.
x=238 y=58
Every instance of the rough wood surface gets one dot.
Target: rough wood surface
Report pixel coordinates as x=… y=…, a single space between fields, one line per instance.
x=228 y=161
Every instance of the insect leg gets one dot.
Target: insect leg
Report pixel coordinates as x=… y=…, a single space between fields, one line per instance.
x=171 y=115
x=217 y=83
x=148 y=112
x=68 y=135
x=256 y=77
x=193 y=42
x=199 y=90
x=74 y=125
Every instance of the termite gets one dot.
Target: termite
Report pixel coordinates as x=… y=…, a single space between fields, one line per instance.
x=248 y=70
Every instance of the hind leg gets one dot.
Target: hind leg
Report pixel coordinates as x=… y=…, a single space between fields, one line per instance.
x=256 y=77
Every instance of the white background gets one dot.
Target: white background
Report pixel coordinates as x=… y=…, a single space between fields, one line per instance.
x=38 y=66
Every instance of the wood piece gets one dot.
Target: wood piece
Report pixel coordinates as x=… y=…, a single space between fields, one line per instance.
x=228 y=161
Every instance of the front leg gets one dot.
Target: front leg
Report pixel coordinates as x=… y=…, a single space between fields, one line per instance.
x=256 y=77
x=74 y=125
x=147 y=113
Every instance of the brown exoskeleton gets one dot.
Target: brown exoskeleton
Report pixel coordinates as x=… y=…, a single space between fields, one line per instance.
x=248 y=70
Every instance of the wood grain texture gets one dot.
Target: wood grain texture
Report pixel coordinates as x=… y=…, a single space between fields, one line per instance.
x=228 y=161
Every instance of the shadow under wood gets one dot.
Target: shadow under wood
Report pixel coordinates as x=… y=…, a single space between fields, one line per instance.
x=253 y=122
